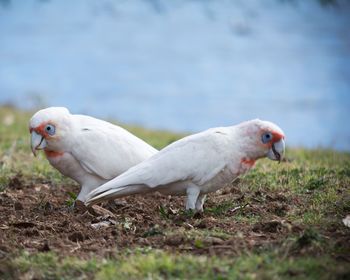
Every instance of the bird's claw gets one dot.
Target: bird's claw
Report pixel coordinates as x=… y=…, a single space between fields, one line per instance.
x=77 y=206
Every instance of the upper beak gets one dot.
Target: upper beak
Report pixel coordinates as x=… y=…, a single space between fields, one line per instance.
x=37 y=142
x=277 y=151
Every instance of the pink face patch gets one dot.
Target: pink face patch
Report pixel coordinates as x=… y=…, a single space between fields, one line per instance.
x=41 y=129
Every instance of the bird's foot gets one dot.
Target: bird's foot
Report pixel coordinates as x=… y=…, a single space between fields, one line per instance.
x=77 y=207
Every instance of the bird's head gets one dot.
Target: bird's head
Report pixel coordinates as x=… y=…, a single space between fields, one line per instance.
x=263 y=139
x=48 y=127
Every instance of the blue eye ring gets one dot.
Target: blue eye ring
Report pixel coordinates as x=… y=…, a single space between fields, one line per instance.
x=266 y=137
x=50 y=129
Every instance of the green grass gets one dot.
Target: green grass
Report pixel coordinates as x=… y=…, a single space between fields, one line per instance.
x=319 y=178
x=315 y=183
x=157 y=264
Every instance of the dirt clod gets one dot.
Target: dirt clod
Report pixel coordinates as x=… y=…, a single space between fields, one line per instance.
x=18 y=206
x=45 y=247
x=270 y=226
x=23 y=224
x=76 y=236
x=174 y=240
x=15 y=182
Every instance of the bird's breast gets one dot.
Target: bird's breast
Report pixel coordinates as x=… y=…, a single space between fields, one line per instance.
x=68 y=166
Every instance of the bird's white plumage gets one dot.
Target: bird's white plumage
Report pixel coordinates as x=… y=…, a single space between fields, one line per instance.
x=179 y=162
x=89 y=150
x=205 y=162
x=105 y=149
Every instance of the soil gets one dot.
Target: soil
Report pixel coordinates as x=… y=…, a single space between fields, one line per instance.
x=36 y=217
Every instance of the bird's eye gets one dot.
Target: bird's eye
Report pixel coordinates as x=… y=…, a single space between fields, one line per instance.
x=266 y=137
x=50 y=129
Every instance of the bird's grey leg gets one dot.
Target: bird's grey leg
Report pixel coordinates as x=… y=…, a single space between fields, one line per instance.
x=192 y=195
x=84 y=192
x=200 y=202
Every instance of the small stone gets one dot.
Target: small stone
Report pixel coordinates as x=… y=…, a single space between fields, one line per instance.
x=346 y=221
x=102 y=224
x=213 y=241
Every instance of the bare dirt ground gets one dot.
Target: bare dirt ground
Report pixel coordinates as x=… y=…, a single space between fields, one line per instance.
x=37 y=218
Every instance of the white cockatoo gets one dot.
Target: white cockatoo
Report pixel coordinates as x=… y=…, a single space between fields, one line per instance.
x=88 y=150
x=198 y=164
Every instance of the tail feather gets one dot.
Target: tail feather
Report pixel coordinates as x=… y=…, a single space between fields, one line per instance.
x=115 y=184
x=115 y=193
x=134 y=176
x=102 y=196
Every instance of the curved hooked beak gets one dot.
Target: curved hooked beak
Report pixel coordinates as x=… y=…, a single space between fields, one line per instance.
x=277 y=151
x=37 y=142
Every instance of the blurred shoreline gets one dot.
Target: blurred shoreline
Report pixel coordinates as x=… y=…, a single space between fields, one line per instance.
x=184 y=65
x=10 y=114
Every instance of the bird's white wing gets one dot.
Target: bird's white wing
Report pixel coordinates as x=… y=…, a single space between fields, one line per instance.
x=197 y=158
x=106 y=150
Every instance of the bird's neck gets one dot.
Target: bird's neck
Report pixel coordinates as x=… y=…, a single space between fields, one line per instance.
x=53 y=154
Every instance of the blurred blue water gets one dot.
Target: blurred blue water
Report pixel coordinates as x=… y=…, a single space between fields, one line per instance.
x=184 y=65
